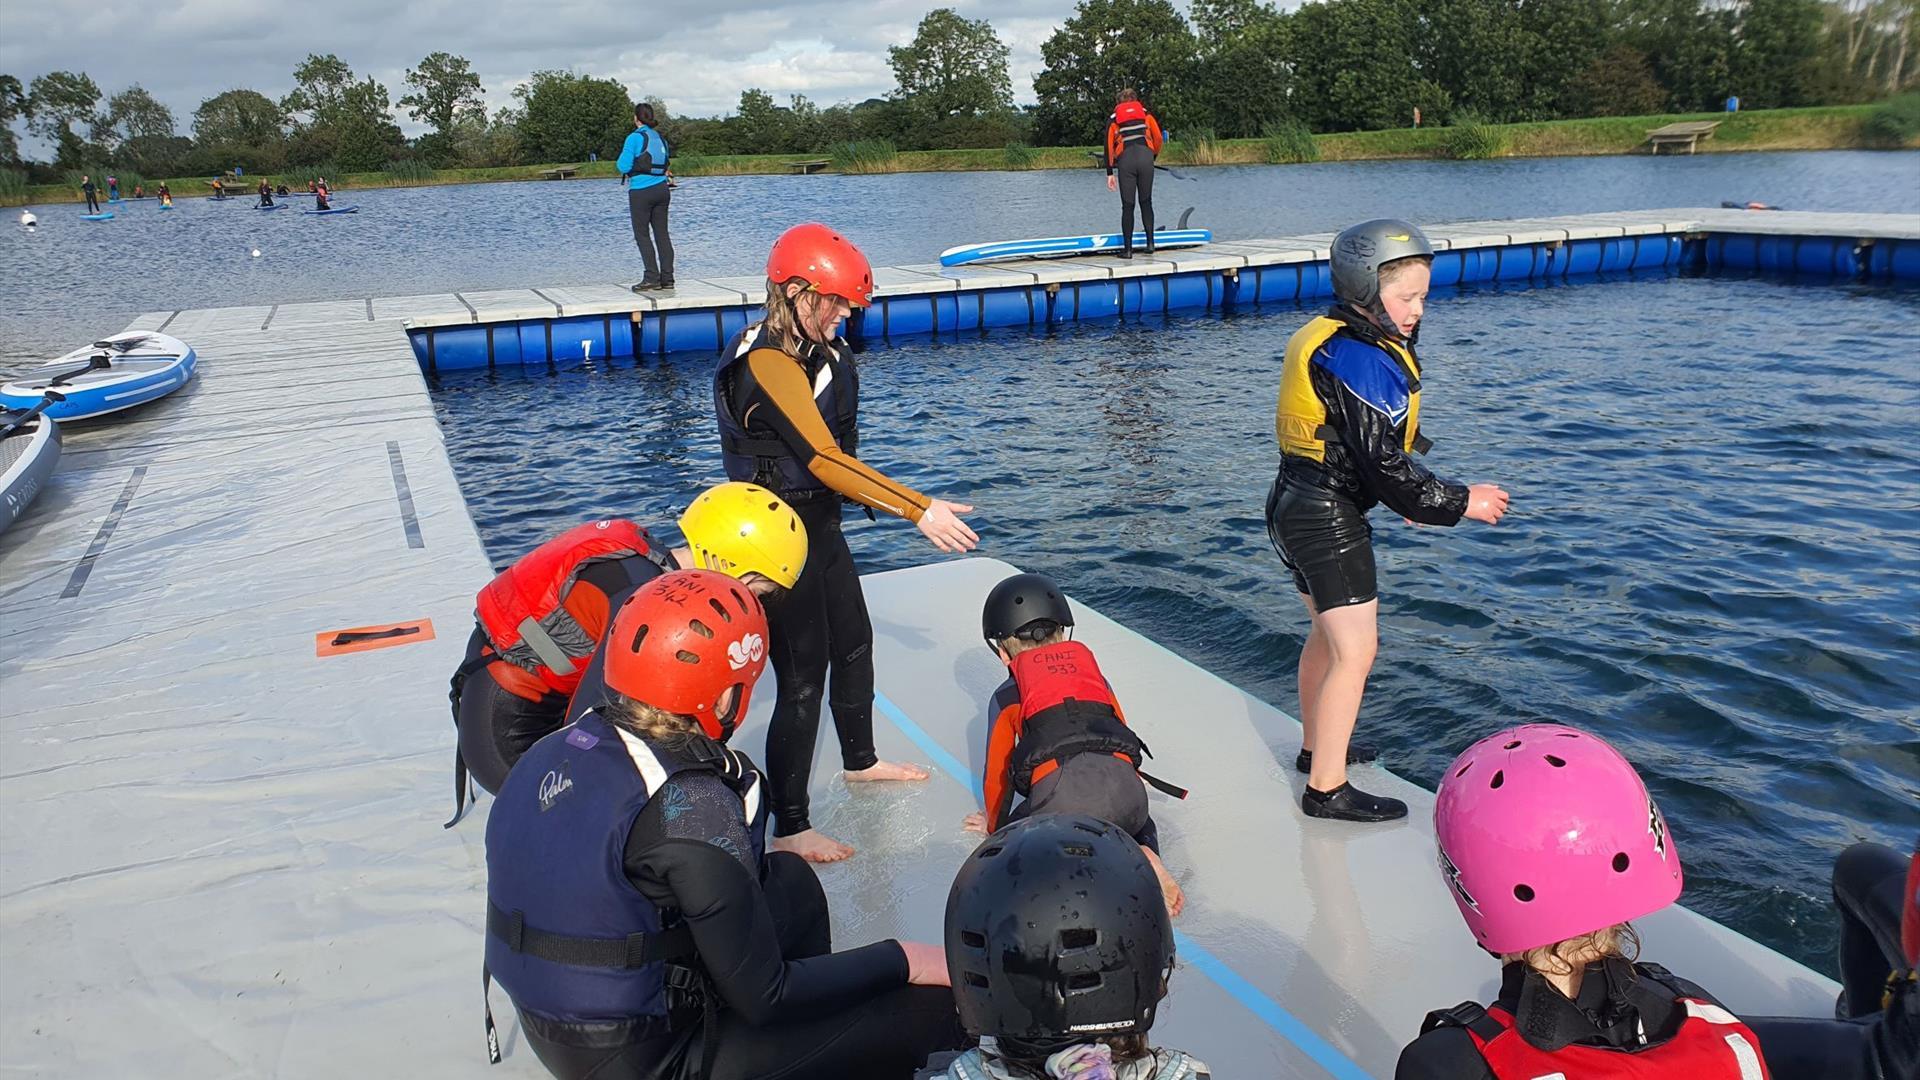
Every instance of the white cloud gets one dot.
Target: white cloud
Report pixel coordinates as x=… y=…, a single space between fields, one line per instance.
x=696 y=55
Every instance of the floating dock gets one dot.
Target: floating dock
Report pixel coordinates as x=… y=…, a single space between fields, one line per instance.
x=566 y=324
x=222 y=848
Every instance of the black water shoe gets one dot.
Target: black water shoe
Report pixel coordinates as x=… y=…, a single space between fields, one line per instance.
x=1357 y=754
x=1349 y=803
x=645 y=286
x=1127 y=254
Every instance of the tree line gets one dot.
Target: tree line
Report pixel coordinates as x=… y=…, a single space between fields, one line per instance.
x=1227 y=68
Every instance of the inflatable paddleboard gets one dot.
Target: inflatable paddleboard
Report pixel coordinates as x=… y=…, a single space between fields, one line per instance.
x=104 y=215
x=165 y=206
x=333 y=210
x=27 y=457
x=1055 y=246
x=138 y=366
x=275 y=206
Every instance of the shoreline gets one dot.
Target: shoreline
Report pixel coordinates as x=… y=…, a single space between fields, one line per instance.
x=1837 y=127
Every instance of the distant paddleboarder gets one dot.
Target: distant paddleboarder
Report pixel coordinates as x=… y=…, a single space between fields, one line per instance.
x=92 y=193
x=1133 y=141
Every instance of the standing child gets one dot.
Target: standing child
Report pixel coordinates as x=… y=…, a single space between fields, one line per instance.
x=1133 y=142
x=1550 y=844
x=1348 y=423
x=92 y=194
x=1056 y=735
x=1058 y=959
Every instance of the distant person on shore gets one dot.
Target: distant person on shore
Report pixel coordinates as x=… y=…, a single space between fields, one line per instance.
x=1133 y=141
x=92 y=193
x=266 y=193
x=1550 y=845
x=643 y=162
x=1348 y=423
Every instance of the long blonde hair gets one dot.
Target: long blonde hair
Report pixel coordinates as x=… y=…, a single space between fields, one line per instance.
x=781 y=326
x=647 y=721
x=1563 y=957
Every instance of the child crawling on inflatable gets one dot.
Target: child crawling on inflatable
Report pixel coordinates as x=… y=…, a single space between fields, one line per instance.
x=1055 y=734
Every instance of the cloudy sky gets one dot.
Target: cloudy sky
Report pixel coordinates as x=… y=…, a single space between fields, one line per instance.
x=697 y=55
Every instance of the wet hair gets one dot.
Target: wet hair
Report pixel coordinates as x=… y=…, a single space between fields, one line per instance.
x=643 y=112
x=1391 y=270
x=781 y=325
x=1620 y=941
x=647 y=721
x=1032 y=636
x=1129 y=94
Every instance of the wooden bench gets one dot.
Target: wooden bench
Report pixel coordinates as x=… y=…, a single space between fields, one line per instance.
x=565 y=172
x=1687 y=133
x=802 y=168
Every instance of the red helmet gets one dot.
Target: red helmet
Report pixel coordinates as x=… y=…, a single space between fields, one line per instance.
x=682 y=640
x=824 y=259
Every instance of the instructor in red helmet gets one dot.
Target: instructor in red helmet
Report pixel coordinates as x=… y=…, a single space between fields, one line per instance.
x=787 y=398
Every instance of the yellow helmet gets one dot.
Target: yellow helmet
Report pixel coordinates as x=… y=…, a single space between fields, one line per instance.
x=738 y=529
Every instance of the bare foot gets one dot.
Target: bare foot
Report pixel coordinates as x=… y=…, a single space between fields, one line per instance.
x=1169 y=888
x=887 y=770
x=976 y=822
x=813 y=846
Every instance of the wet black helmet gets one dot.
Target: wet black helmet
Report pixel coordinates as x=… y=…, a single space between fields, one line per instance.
x=1020 y=601
x=1057 y=934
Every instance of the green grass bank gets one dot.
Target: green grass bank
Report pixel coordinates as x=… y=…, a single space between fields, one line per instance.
x=1839 y=127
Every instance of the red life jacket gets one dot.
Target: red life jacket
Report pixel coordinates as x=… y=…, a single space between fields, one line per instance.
x=523 y=610
x=1067 y=708
x=1129 y=111
x=1712 y=1044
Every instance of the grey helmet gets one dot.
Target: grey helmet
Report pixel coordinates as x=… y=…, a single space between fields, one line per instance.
x=1361 y=250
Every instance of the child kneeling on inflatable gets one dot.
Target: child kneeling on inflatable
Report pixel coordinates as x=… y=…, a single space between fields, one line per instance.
x=1058 y=957
x=1550 y=843
x=1056 y=735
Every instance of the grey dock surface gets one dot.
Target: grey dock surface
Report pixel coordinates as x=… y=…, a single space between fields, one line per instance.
x=222 y=852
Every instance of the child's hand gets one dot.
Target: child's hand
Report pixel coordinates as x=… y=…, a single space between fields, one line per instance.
x=976 y=822
x=1486 y=502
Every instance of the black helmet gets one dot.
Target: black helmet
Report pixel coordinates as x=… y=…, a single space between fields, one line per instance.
x=1057 y=933
x=1361 y=250
x=1020 y=601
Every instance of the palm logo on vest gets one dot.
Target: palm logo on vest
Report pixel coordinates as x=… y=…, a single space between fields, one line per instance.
x=556 y=783
x=746 y=651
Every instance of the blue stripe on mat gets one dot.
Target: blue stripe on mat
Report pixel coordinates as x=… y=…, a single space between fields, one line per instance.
x=1257 y=1002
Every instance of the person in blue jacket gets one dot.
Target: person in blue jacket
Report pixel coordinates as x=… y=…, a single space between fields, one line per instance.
x=643 y=162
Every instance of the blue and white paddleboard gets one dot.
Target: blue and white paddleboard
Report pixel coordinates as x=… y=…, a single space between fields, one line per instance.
x=333 y=210
x=1070 y=245
x=28 y=454
x=140 y=366
x=104 y=215
x=275 y=206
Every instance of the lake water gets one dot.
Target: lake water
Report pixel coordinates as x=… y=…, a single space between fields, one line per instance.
x=71 y=281
x=1714 y=552
x=1712 y=557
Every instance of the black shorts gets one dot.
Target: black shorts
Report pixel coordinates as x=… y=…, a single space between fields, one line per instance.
x=1325 y=540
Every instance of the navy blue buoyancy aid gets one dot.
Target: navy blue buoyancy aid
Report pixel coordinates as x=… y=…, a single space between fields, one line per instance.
x=568 y=936
x=757 y=455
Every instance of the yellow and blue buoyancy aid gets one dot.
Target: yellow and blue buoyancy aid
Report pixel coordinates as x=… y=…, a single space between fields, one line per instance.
x=1381 y=372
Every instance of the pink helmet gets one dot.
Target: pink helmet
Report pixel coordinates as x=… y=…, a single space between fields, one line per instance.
x=1547 y=833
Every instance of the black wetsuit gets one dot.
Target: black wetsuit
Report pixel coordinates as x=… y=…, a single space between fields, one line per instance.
x=821 y=635
x=93 y=200
x=1317 y=510
x=1610 y=1010
x=1135 y=173
x=789 y=1007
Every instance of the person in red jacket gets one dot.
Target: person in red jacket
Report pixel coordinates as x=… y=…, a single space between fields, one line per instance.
x=1133 y=141
x=1055 y=734
x=541 y=620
